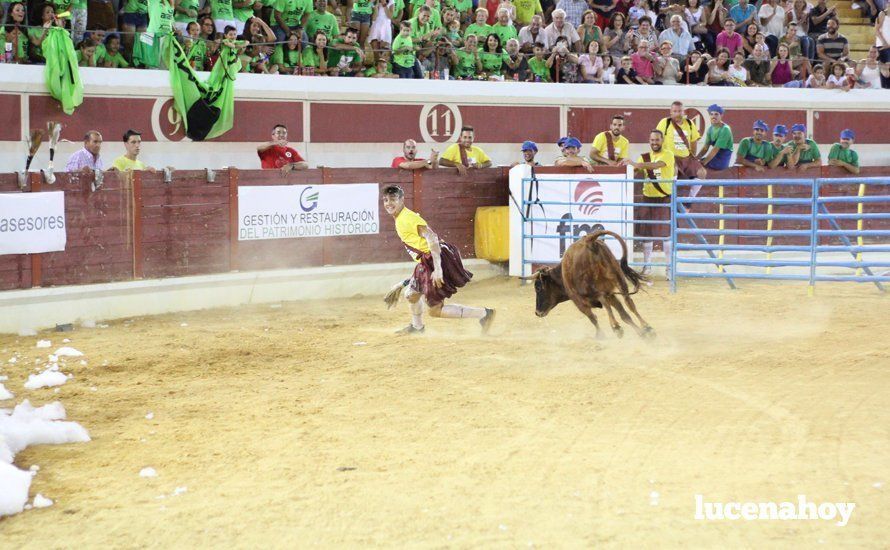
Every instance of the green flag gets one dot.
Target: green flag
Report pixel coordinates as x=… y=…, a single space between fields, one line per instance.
x=62 y=74
x=148 y=45
x=207 y=107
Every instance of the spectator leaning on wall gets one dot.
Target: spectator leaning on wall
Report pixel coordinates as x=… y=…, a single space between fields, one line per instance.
x=409 y=160
x=569 y=158
x=277 y=155
x=87 y=158
x=129 y=161
x=529 y=150
x=463 y=154
x=756 y=152
x=843 y=155
x=800 y=153
x=718 y=141
x=610 y=147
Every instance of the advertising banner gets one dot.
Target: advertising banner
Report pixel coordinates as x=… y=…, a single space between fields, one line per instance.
x=31 y=223
x=295 y=211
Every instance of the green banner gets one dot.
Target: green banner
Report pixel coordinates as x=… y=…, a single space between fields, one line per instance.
x=62 y=74
x=207 y=107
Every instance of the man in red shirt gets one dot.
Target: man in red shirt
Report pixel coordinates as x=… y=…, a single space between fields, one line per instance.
x=276 y=155
x=409 y=160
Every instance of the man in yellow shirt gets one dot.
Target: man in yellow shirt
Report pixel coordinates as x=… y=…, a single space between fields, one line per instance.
x=658 y=168
x=463 y=155
x=611 y=147
x=129 y=161
x=681 y=138
x=439 y=271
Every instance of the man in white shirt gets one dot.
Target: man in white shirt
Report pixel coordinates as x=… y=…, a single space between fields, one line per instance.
x=679 y=38
x=532 y=33
x=561 y=27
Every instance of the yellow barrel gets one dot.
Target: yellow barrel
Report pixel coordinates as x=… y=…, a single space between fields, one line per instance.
x=492 y=233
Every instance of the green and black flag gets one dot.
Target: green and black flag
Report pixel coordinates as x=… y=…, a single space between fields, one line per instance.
x=207 y=108
x=61 y=73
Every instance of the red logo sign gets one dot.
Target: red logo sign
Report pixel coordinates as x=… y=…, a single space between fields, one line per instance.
x=590 y=193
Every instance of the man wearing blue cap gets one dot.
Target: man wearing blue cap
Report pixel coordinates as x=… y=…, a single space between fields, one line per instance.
x=780 y=135
x=529 y=150
x=561 y=143
x=801 y=153
x=570 y=150
x=756 y=152
x=718 y=141
x=843 y=155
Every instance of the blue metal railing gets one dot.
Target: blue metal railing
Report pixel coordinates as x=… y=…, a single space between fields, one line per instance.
x=810 y=237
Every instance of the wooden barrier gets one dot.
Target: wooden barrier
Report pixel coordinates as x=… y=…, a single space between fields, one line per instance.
x=136 y=226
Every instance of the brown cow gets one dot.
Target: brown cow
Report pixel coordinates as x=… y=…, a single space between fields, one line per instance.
x=591 y=277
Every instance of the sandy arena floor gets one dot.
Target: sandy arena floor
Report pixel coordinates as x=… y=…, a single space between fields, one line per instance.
x=311 y=424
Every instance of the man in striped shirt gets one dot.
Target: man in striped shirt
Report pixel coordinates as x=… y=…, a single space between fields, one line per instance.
x=87 y=158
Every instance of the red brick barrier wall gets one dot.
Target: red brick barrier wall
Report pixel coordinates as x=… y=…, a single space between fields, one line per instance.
x=140 y=227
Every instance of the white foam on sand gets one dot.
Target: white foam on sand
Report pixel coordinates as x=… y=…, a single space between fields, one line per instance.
x=4 y=393
x=68 y=352
x=148 y=472
x=46 y=379
x=19 y=428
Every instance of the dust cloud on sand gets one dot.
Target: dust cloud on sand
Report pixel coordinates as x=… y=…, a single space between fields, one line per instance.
x=310 y=423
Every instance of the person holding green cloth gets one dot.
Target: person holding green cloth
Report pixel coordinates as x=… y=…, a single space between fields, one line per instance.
x=133 y=20
x=149 y=46
x=78 y=10
x=718 y=141
x=404 y=60
x=843 y=155
x=195 y=48
x=469 y=63
x=36 y=35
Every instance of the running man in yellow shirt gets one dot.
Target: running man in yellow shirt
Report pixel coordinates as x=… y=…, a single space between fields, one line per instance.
x=681 y=138
x=463 y=155
x=439 y=271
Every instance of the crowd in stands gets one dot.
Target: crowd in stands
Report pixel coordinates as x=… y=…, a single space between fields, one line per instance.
x=789 y=43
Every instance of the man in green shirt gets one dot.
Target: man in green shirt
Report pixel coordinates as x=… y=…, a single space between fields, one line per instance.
x=843 y=155
x=800 y=153
x=404 y=60
x=718 y=141
x=223 y=14
x=480 y=29
x=468 y=62
x=345 y=57
x=111 y=55
x=756 y=152
x=321 y=20
x=290 y=14
x=503 y=28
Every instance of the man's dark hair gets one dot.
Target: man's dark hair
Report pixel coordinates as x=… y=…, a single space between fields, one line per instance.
x=539 y=45
x=467 y=129
x=680 y=103
x=617 y=117
x=656 y=131
x=279 y=126
x=130 y=133
x=394 y=190
x=229 y=28
x=90 y=133
x=352 y=30
x=645 y=18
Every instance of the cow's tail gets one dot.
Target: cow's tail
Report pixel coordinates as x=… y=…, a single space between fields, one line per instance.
x=632 y=275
